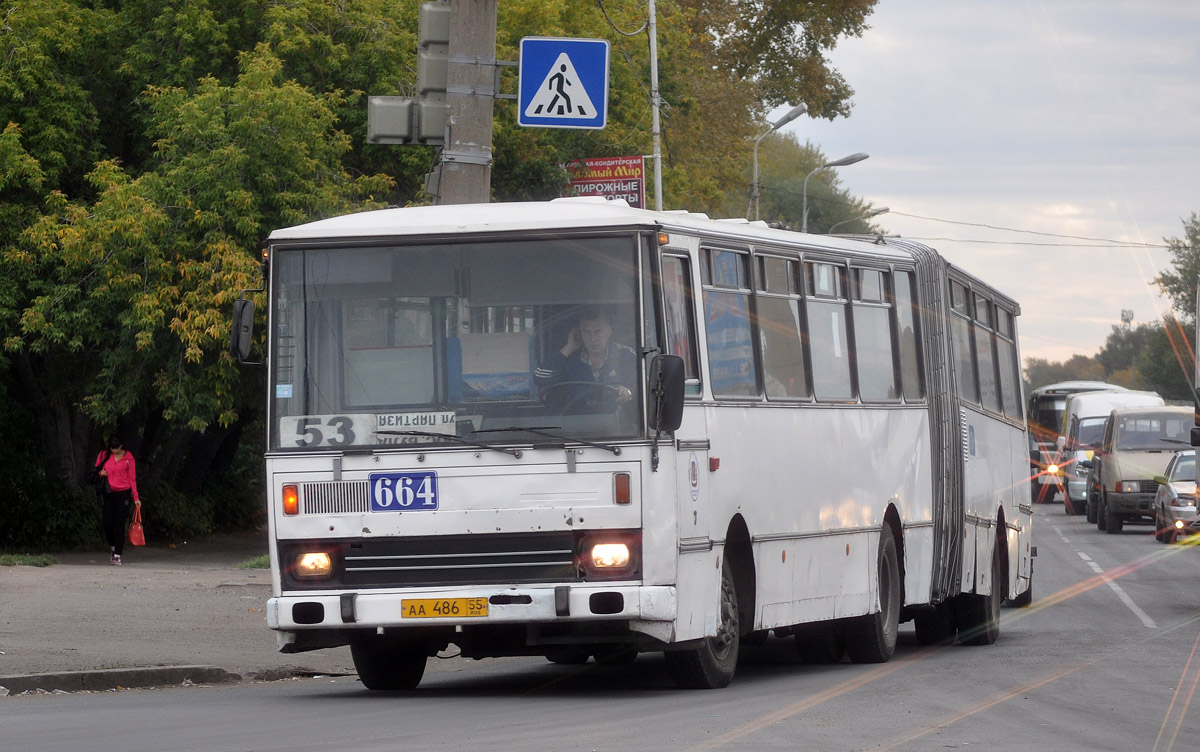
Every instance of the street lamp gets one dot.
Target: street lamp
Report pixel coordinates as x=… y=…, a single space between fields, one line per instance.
x=868 y=215
x=791 y=115
x=856 y=157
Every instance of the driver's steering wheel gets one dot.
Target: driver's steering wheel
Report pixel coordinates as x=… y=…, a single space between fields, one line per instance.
x=587 y=390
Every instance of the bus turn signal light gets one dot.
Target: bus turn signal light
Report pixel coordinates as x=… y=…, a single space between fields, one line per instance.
x=621 y=488
x=291 y=499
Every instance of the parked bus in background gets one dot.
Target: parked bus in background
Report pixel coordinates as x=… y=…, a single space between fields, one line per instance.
x=575 y=429
x=1047 y=406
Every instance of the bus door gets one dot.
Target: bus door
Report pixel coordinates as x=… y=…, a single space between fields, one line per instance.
x=695 y=568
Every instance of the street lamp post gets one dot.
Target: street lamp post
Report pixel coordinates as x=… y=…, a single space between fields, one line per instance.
x=791 y=115
x=856 y=157
x=868 y=215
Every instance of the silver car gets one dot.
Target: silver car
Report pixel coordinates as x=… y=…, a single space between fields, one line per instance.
x=1175 y=502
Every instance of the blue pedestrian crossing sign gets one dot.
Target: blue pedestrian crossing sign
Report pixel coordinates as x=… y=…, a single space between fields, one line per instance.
x=563 y=83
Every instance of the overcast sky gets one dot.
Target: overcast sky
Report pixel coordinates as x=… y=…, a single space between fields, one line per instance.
x=1073 y=117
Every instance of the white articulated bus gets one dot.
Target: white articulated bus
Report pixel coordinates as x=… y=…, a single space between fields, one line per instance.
x=576 y=429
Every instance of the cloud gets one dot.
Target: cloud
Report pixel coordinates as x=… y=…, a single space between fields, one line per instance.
x=1061 y=116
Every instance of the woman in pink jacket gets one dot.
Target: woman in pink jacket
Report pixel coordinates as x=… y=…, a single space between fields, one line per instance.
x=118 y=468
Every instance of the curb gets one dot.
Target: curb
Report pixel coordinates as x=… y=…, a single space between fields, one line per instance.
x=98 y=681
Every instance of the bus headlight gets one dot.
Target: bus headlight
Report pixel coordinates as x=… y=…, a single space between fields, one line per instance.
x=610 y=556
x=313 y=564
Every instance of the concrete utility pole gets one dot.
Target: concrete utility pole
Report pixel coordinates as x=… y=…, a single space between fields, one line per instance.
x=470 y=85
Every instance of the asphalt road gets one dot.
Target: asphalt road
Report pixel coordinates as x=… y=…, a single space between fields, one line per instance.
x=1103 y=660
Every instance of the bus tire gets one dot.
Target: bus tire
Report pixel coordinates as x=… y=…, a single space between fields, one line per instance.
x=820 y=642
x=711 y=666
x=387 y=663
x=935 y=626
x=979 y=615
x=872 y=638
x=1026 y=598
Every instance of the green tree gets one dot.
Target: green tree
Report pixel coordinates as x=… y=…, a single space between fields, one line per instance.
x=784 y=164
x=1180 y=282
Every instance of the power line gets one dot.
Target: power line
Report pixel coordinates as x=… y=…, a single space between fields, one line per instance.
x=1104 y=242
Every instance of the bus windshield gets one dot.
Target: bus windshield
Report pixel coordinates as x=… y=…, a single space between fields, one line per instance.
x=400 y=345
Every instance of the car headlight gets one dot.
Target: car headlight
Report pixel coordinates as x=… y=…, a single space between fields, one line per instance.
x=1051 y=469
x=1127 y=486
x=1184 y=500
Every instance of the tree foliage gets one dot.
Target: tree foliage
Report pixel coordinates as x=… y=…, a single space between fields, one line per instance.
x=1180 y=281
x=147 y=147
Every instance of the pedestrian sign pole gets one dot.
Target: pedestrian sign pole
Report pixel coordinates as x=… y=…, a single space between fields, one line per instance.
x=563 y=83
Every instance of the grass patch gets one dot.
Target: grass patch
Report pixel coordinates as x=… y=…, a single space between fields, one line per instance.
x=28 y=560
x=258 y=562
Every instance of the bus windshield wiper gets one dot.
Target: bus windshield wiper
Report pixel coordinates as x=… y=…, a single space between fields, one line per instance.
x=453 y=437
x=545 y=431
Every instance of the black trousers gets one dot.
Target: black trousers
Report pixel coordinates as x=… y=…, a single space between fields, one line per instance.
x=113 y=515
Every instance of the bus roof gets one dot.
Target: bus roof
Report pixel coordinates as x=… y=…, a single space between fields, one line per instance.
x=562 y=213
x=597 y=213
x=1071 y=387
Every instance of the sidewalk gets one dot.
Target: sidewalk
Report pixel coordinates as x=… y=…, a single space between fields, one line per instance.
x=166 y=615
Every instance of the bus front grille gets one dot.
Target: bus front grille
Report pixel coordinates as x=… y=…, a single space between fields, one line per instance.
x=336 y=497
x=446 y=560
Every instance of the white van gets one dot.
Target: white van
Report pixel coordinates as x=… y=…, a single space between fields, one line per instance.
x=1082 y=431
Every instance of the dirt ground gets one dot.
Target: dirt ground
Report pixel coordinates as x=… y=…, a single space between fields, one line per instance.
x=165 y=606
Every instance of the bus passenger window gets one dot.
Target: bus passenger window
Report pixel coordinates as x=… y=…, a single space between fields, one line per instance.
x=827 y=332
x=985 y=361
x=779 y=329
x=731 y=363
x=1006 y=360
x=912 y=380
x=873 y=338
x=960 y=339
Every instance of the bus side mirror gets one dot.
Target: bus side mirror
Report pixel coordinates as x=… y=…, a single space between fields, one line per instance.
x=243 y=329
x=664 y=392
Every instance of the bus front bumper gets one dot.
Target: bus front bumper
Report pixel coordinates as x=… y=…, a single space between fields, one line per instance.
x=550 y=603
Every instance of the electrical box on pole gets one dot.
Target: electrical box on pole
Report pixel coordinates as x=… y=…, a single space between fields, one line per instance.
x=433 y=57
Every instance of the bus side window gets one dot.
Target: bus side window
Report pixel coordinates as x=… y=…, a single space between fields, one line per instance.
x=825 y=305
x=731 y=351
x=985 y=361
x=960 y=339
x=912 y=381
x=777 y=302
x=1006 y=360
x=873 y=337
x=680 y=319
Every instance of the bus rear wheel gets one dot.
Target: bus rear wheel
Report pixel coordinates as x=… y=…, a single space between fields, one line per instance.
x=388 y=663
x=711 y=666
x=872 y=638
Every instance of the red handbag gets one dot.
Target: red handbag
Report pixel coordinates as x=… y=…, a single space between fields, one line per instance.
x=137 y=536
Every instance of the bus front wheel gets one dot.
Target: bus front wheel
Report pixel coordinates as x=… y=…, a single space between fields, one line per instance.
x=711 y=665
x=872 y=638
x=385 y=663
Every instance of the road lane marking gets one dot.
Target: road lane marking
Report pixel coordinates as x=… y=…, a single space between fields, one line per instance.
x=1139 y=613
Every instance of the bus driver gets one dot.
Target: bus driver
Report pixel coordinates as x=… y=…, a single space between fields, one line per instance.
x=589 y=357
